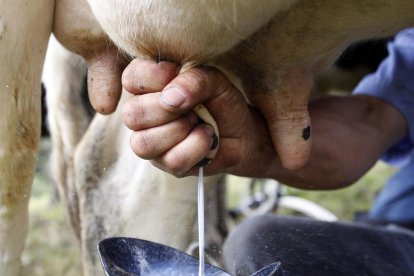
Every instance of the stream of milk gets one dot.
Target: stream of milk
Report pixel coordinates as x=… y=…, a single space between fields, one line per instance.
x=201 y=221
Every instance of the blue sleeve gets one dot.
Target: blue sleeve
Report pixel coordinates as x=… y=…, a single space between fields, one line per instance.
x=394 y=83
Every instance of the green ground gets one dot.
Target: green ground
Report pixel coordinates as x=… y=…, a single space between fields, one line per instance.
x=51 y=250
x=50 y=246
x=346 y=202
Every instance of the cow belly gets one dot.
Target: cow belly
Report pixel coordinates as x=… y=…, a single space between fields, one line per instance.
x=182 y=31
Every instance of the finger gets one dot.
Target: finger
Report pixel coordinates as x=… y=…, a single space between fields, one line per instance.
x=190 y=152
x=143 y=111
x=104 y=80
x=286 y=112
x=229 y=161
x=205 y=116
x=192 y=87
x=143 y=76
x=153 y=142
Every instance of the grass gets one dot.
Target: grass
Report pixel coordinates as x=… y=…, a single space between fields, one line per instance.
x=50 y=246
x=344 y=203
x=51 y=249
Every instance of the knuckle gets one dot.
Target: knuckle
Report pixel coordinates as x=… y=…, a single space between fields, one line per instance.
x=160 y=164
x=220 y=81
x=175 y=163
x=132 y=113
x=127 y=115
x=127 y=79
x=186 y=123
x=196 y=79
x=135 y=76
x=143 y=144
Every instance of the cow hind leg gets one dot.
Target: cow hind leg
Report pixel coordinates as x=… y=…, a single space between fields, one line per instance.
x=64 y=76
x=24 y=30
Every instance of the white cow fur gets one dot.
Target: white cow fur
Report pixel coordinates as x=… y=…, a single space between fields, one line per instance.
x=171 y=29
x=120 y=194
x=109 y=191
x=63 y=77
x=294 y=43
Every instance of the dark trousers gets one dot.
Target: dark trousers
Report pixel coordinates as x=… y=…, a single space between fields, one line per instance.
x=310 y=247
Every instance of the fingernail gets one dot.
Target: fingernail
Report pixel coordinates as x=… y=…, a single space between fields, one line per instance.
x=173 y=97
x=215 y=142
x=209 y=130
x=204 y=162
x=193 y=118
